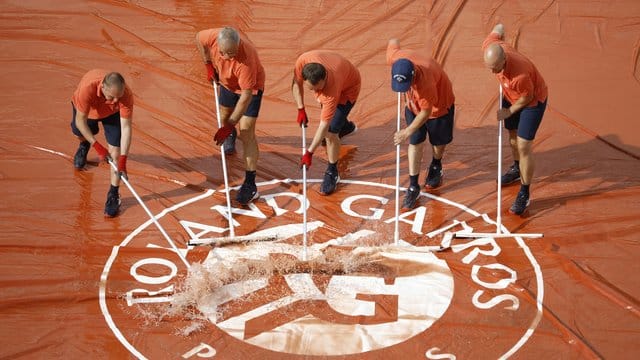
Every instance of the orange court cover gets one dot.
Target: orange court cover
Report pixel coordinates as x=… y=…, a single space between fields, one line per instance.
x=366 y=281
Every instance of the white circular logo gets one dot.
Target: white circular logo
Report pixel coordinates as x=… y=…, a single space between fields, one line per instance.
x=358 y=293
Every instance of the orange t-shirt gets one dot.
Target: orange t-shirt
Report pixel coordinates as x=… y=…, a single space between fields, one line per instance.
x=519 y=76
x=89 y=99
x=430 y=87
x=244 y=71
x=341 y=85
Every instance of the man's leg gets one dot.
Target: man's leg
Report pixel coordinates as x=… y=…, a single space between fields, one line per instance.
x=80 y=157
x=112 y=132
x=333 y=142
x=333 y=147
x=247 y=135
x=512 y=174
x=331 y=175
x=248 y=191
x=434 y=174
x=247 y=126
x=530 y=119
x=414 y=157
x=526 y=160
x=440 y=131
x=229 y=145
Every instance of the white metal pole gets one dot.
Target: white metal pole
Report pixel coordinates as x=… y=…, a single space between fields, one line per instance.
x=396 y=232
x=153 y=218
x=224 y=165
x=499 y=207
x=304 y=196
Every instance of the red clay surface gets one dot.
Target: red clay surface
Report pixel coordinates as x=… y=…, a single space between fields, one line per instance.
x=585 y=196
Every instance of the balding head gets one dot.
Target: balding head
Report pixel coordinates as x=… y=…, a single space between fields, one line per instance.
x=494 y=58
x=113 y=86
x=228 y=42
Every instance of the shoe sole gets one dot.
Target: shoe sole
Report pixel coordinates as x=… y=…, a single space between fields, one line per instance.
x=355 y=129
x=523 y=211
x=429 y=187
x=413 y=203
x=255 y=196
x=410 y=206
x=327 y=194
x=511 y=182
x=334 y=190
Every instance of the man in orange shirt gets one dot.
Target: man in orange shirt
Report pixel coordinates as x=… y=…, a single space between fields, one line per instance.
x=524 y=103
x=232 y=60
x=429 y=111
x=103 y=97
x=336 y=85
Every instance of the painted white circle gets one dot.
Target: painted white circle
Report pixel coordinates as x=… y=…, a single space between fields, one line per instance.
x=415 y=314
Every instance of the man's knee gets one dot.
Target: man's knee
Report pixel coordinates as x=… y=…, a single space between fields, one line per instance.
x=246 y=135
x=524 y=146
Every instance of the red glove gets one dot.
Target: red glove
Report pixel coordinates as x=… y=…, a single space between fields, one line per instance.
x=211 y=72
x=223 y=133
x=306 y=159
x=102 y=152
x=122 y=165
x=302 y=117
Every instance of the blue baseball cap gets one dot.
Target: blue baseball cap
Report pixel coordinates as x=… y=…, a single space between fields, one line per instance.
x=401 y=75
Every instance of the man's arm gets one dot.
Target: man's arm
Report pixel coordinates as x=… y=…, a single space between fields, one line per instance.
x=405 y=133
x=499 y=29
x=298 y=93
x=321 y=133
x=125 y=136
x=81 y=124
x=517 y=106
x=203 y=52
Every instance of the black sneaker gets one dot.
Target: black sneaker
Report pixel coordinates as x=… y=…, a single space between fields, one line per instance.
x=112 y=206
x=521 y=203
x=329 y=183
x=411 y=197
x=80 y=159
x=512 y=175
x=229 y=145
x=247 y=193
x=434 y=177
x=349 y=128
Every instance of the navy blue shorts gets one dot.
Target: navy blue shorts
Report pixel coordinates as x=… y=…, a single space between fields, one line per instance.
x=111 y=126
x=230 y=99
x=526 y=120
x=440 y=129
x=340 y=117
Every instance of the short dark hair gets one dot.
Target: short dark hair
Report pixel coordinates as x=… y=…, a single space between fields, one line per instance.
x=114 y=79
x=314 y=72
